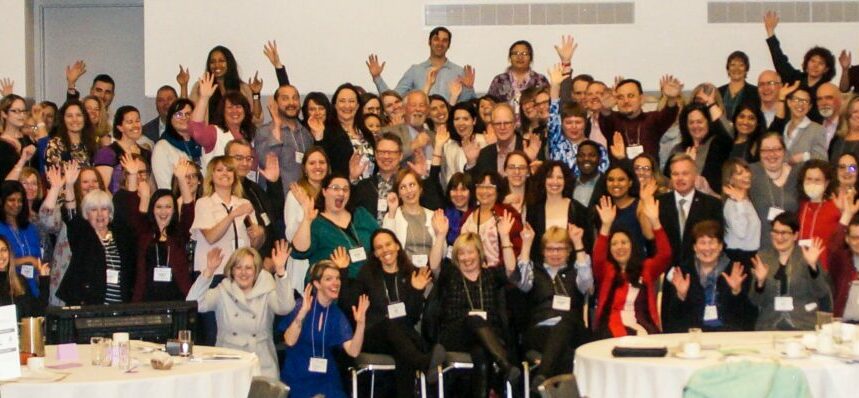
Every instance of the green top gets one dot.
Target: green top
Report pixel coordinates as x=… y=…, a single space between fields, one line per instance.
x=325 y=237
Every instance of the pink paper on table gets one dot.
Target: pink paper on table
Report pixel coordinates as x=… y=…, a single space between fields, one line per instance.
x=67 y=352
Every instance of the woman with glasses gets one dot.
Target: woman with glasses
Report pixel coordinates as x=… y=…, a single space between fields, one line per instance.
x=568 y=127
x=483 y=219
x=847 y=136
x=846 y=169
x=647 y=169
x=13 y=113
x=519 y=76
x=175 y=143
x=773 y=188
x=805 y=138
x=517 y=170
x=126 y=130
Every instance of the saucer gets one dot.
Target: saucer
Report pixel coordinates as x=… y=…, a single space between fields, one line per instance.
x=683 y=355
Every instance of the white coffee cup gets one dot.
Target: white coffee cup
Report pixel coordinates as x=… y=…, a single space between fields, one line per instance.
x=35 y=363
x=825 y=344
x=792 y=349
x=809 y=340
x=691 y=349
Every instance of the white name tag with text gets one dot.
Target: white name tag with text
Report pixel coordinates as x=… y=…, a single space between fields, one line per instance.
x=396 y=310
x=113 y=276
x=634 y=150
x=711 y=313
x=162 y=274
x=357 y=254
x=783 y=303
x=561 y=303
x=27 y=271
x=420 y=260
x=318 y=365
x=479 y=313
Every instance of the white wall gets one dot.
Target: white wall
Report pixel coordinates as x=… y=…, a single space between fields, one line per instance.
x=324 y=43
x=14 y=53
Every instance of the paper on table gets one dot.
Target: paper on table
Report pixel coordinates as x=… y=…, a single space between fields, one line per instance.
x=10 y=359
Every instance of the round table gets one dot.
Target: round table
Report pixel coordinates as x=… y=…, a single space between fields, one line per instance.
x=227 y=378
x=600 y=375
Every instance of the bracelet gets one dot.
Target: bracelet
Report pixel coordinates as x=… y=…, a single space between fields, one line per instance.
x=510 y=246
x=579 y=250
x=255 y=96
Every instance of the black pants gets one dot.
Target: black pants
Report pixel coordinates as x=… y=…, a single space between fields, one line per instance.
x=403 y=343
x=466 y=339
x=557 y=344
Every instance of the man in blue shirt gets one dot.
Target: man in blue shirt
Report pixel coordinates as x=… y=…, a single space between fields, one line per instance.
x=445 y=72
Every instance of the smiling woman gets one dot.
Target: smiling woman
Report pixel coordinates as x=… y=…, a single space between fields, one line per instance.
x=126 y=130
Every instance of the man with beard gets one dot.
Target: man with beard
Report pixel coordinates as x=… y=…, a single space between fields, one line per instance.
x=434 y=75
x=829 y=106
x=286 y=137
x=641 y=131
x=414 y=134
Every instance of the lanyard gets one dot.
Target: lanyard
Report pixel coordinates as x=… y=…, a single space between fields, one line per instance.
x=20 y=242
x=295 y=141
x=479 y=289
x=313 y=331
x=772 y=197
x=353 y=239
x=638 y=139
x=396 y=289
x=813 y=219
x=158 y=257
x=558 y=282
x=235 y=229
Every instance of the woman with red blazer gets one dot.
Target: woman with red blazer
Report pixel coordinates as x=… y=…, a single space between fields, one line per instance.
x=626 y=281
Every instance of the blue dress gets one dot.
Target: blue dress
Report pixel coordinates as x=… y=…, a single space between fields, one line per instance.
x=296 y=373
x=25 y=242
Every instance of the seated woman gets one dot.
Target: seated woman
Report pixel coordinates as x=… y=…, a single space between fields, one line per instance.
x=472 y=313
x=742 y=225
x=550 y=204
x=395 y=287
x=556 y=297
x=246 y=301
x=410 y=222
x=709 y=292
x=15 y=290
x=790 y=283
x=102 y=266
x=126 y=131
x=625 y=280
x=483 y=219
x=310 y=369
x=163 y=232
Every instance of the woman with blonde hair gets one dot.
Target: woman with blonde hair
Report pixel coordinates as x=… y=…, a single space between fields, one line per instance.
x=847 y=136
x=98 y=117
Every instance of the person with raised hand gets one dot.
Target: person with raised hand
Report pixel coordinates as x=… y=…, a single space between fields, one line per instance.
x=625 y=279
x=843 y=249
x=127 y=131
x=407 y=219
x=222 y=66
x=484 y=220
x=246 y=302
x=310 y=368
x=519 y=76
x=270 y=51
x=462 y=143
x=818 y=65
x=22 y=234
x=790 y=283
x=710 y=291
x=805 y=138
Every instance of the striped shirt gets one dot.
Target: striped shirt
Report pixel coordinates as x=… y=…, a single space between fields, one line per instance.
x=113 y=293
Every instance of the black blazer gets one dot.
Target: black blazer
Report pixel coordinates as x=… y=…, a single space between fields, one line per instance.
x=749 y=95
x=488 y=159
x=736 y=312
x=703 y=207
x=268 y=206
x=85 y=281
x=576 y=214
x=150 y=130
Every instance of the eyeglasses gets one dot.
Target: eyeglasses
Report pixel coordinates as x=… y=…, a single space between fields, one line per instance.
x=517 y=167
x=800 y=101
x=387 y=153
x=643 y=168
x=542 y=103
x=782 y=232
x=240 y=158
x=16 y=111
x=485 y=186
x=850 y=168
x=520 y=54
x=503 y=124
x=181 y=115
x=772 y=150
x=771 y=83
x=338 y=188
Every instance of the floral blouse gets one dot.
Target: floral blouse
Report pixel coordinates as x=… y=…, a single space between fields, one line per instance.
x=57 y=153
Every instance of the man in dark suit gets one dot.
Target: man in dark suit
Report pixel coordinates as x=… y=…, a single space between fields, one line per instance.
x=371 y=193
x=492 y=157
x=685 y=206
x=414 y=133
x=165 y=97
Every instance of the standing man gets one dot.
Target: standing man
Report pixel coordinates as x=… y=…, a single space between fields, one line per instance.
x=163 y=99
x=286 y=137
x=769 y=84
x=829 y=106
x=434 y=75
x=102 y=85
x=414 y=133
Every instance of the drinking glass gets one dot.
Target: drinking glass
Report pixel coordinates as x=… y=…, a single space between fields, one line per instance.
x=100 y=351
x=186 y=345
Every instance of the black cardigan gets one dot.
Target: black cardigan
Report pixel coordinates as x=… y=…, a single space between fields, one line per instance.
x=370 y=282
x=85 y=281
x=576 y=214
x=26 y=305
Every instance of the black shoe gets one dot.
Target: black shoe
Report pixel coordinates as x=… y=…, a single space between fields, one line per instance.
x=436 y=359
x=513 y=375
x=535 y=384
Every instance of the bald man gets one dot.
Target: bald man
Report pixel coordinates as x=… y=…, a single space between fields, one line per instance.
x=769 y=83
x=829 y=106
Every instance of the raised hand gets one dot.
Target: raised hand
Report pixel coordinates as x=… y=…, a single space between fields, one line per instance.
x=129 y=163
x=556 y=74
x=317 y=125
x=340 y=257
x=844 y=59
x=441 y=137
x=183 y=77
x=279 y=254
x=306 y=302
x=618 y=148
x=74 y=72
x=37 y=112
x=27 y=153
x=787 y=89
x=440 y=225
x=255 y=83
x=692 y=151
x=607 y=211
x=276 y=123
x=432 y=73
x=566 y=48
x=532 y=149
x=144 y=190
x=681 y=283
x=468 y=76
x=374 y=66
x=651 y=211
x=671 y=86
x=576 y=235
x=648 y=189
x=707 y=95
x=44 y=269
x=360 y=313
x=54 y=176
x=304 y=200
x=357 y=166
x=471 y=150
x=71 y=170
x=770 y=22
x=269 y=49
x=419 y=164
x=812 y=253
x=182 y=169
x=505 y=224
x=455 y=88
x=213 y=260
x=393 y=202
x=271 y=171
x=421 y=140
x=7 y=86
x=736 y=278
x=421 y=278
x=608 y=99
x=735 y=194
x=759 y=270
x=207 y=85
x=527 y=235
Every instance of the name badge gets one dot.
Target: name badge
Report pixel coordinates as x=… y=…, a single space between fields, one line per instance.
x=810 y=307
x=382 y=204
x=711 y=313
x=299 y=157
x=420 y=260
x=634 y=150
x=561 y=303
x=357 y=254
x=265 y=220
x=783 y=303
x=479 y=313
x=28 y=271
x=806 y=243
x=773 y=212
x=113 y=276
x=162 y=274
x=396 y=310
x=318 y=365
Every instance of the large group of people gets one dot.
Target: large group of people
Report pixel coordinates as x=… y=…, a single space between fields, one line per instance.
x=424 y=219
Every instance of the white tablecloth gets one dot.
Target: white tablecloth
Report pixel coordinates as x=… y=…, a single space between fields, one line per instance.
x=230 y=378
x=601 y=375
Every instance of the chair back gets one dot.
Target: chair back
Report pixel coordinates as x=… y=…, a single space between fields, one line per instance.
x=264 y=387
x=560 y=386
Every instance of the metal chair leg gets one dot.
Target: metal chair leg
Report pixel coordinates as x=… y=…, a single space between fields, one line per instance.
x=354 y=383
x=423 y=384
x=440 y=382
x=509 y=389
x=526 y=372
